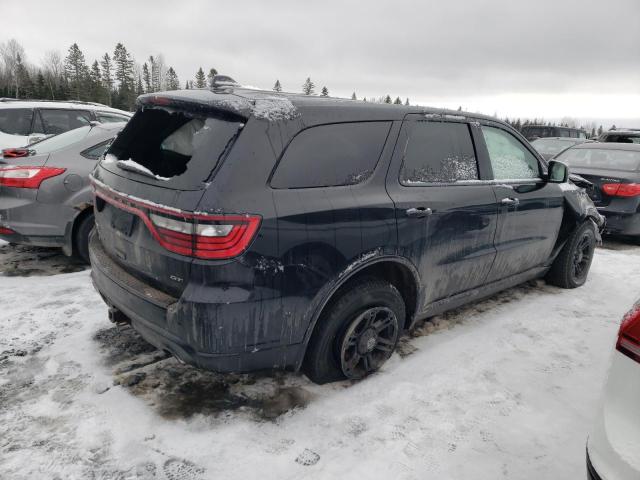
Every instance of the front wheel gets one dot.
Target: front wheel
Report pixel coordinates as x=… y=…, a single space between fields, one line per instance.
x=357 y=334
x=571 y=267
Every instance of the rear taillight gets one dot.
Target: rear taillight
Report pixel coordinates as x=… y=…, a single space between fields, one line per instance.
x=6 y=231
x=621 y=189
x=629 y=335
x=15 y=152
x=27 y=177
x=197 y=235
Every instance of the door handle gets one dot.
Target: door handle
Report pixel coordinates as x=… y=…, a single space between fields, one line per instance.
x=419 y=212
x=510 y=201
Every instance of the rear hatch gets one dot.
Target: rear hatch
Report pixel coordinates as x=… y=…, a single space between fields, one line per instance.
x=151 y=180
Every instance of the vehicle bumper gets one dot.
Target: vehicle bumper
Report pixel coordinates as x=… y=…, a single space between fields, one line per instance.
x=621 y=224
x=34 y=223
x=203 y=335
x=614 y=441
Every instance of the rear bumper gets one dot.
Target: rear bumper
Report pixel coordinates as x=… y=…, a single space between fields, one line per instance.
x=622 y=224
x=35 y=223
x=177 y=325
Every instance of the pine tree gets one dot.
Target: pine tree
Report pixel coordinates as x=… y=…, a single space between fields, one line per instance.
x=600 y=130
x=95 y=82
x=308 y=87
x=353 y=96
x=397 y=101
x=156 y=73
x=325 y=92
x=387 y=99
x=277 y=87
x=139 y=86
x=200 y=79
x=146 y=77
x=76 y=71
x=172 y=80
x=406 y=102
x=186 y=85
x=210 y=76
x=107 y=78
x=24 y=79
x=364 y=99
x=124 y=76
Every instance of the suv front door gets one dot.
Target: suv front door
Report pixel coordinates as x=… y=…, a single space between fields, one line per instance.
x=530 y=208
x=446 y=217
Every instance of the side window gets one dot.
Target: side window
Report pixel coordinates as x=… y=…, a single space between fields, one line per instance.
x=439 y=152
x=509 y=158
x=60 y=121
x=111 y=117
x=331 y=155
x=95 y=152
x=16 y=121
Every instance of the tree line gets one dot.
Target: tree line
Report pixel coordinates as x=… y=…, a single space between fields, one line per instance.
x=116 y=79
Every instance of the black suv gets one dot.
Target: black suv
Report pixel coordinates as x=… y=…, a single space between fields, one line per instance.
x=243 y=230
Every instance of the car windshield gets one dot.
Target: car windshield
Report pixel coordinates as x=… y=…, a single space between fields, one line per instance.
x=601 y=158
x=60 y=141
x=551 y=145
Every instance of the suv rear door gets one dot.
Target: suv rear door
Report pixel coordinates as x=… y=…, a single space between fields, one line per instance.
x=446 y=215
x=530 y=208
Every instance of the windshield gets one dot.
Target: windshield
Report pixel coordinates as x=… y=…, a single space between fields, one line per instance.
x=551 y=145
x=601 y=158
x=60 y=141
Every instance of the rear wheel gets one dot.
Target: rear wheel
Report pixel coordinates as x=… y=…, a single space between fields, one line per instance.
x=81 y=238
x=571 y=267
x=357 y=334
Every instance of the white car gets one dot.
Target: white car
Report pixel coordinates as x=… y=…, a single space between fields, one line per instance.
x=613 y=449
x=23 y=122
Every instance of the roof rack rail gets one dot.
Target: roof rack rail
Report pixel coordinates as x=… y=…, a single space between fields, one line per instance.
x=79 y=102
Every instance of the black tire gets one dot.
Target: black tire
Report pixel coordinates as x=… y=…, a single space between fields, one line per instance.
x=357 y=332
x=571 y=267
x=81 y=238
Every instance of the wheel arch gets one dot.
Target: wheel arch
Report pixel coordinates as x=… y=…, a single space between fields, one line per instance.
x=399 y=271
x=72 y=227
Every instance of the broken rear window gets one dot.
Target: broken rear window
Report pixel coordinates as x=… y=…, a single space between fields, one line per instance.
x=175 y=149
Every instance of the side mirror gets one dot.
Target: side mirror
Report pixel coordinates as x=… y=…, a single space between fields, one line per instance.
x=558 y=172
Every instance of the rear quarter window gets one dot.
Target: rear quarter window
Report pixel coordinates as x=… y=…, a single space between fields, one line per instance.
x=16 y=121
x=331 y=155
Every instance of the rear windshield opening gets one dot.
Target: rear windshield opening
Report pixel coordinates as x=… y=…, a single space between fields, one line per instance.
x=162 y=145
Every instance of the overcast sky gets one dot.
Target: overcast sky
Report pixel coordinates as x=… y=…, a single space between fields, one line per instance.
x=544 y=58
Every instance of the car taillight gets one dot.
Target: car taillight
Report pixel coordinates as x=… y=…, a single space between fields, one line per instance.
x=197 y=235
x=621 y=189
x=206 y=236
x=629 y=335
x=6 y=231
x=15 y=152
x=27 y=177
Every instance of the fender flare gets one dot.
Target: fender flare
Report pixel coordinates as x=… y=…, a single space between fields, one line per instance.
x=326 y=293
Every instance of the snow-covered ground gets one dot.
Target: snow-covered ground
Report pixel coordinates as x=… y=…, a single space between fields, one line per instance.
x=505 y=388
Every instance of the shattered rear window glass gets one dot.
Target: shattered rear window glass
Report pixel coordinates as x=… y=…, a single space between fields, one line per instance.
x=175 y=148
x=331 y=155
x=439 y=152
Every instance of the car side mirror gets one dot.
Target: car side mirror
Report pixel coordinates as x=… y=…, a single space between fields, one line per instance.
x=558 y=172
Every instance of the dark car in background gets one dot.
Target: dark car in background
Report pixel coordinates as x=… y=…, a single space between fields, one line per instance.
x=45 y=195
x=620 y=136
x=614 y=170
x=552 y=146
x=531 y=132
x=243 y=230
